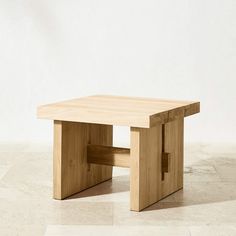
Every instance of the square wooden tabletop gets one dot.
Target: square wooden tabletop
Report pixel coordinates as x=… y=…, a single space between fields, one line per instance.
x=118 y=110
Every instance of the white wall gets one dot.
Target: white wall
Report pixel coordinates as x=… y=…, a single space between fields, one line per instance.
x=56 y=49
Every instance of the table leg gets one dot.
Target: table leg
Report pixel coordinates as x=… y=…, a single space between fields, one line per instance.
x=71 y=172
x=147 y=184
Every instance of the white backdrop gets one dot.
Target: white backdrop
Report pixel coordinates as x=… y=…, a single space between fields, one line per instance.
x=53 y=50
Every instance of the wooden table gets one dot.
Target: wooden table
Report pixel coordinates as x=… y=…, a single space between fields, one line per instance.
x=83 y=152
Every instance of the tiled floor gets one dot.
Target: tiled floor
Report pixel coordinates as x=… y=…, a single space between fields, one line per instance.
x=206 y=206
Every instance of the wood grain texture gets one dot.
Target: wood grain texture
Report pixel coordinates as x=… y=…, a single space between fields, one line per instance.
x=116 y=110
x=105 y=155
x=71 y=172
x=147 y=183
x=83 y=126
x=145 y=167
x=174 y=143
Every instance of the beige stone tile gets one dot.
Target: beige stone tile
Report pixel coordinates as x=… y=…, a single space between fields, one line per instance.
x=195 y=154
x=65 y=212
x=177 y=214
x=37 y=212
x=8 y=231
x=213 y=231
x=13 y=146
x=18 y=147
x=209 y=192
x=223 y=160
x=64 y=230
x=32 y=175
x=10 y=158
x=11 y=195
x=29 y=230
x=40 y=147
x=216 y=148
x=227 y=173
x=226 y=167
x=203 y=193
x=201 y=173
x=3 y=170
x=115 y=190
x=206 y=202
x=23 y=230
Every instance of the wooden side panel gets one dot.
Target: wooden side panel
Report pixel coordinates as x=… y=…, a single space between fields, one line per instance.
x=147 y=183
x=71 y=172
x=57 y=160
x=174 y=134
x=145 y=172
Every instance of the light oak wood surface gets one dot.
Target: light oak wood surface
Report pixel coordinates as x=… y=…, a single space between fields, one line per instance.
x=105 y=155
x=174 y=144
x=71 y=171
x=145 y=167
x=84 y=155
x=150 y=178
x=117 y=110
